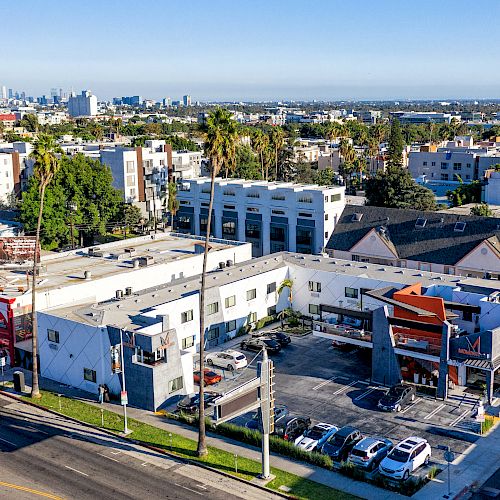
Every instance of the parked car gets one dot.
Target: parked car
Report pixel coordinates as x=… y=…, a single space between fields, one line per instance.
x=229 y=360
x=282 y=338
x=209 y=377
x=291 y=427
x=258 y=343
x=338 y=446
x=316 y=436
x=280 y=411
x=405 y=458
x=397 y=397
x=190 y=403
x=369 y=452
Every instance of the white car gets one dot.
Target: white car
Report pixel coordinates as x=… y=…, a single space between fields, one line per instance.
x=405 y=458
x=316 y=436
x=229 y=360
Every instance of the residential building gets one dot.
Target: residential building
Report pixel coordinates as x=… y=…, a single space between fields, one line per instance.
x=425 y=241
x=492 y=187
x=16 y=166
x=82 y=105
x=8 y=120
x=273 y=216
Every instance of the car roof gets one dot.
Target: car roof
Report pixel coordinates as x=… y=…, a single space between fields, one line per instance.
x=346 y=430
x=231 y=352
x=367 y=442
x=285 y=420
x=324 y=426
x=410 y=443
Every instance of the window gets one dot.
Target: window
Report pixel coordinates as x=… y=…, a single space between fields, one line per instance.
x=314 y=286
x=53 y=336
x=271 y=287
x=278 y=212
x=251 y=294
x=457 y=166
x=89 y=375
x=459 y=227
x=444 y=165
x=176 y=384
x=326 y=216
x=271 y=311
x=335 y=197
x=252 y=230
x=326 y=199
x=230 y=301
x=188 y=342
x=229 y=227
x=132 y=192
x=305 y=214
x=421 y=222
x=231 y=326
x=229 y=193
x=444 y=177
x=356 y=217
x=252 y=209
x=252 y=317
x=130 y=167
x=326 y=234
x=305 y=199
x=468 y=165
x=229 y=207
x=424 y=163
x=279 y=197
x=253 y=194
x=277 y=233
x=187 y=316
x=351 y=293
x=204 y=224
x=433 y=164
x=213 y=308
x=313 y=309
x=130 y=180
x=213 y=333
x=467 y=177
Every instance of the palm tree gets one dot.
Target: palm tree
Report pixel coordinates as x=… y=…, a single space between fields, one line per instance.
x=260 y=143
x=172 y=202
x=278 y=141
x=46 y=166
x=220 y=148
x=287 y=283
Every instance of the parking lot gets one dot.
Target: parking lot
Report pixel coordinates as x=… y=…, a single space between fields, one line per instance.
x=316 y=380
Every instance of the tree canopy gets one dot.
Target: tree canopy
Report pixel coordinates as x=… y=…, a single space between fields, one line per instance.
x=482 y=209
x=465 y=193
x=396 y=145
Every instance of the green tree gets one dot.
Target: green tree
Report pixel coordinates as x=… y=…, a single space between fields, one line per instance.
x=247 y=164
x=325 y=177
x=220 y=144
x=465 y=193
x=131 y=216
x=482 y=209
x=260 y=143
x=30 y=122
x=45 y=167
x=277 y=142
x=396 y=145
x=172 y=201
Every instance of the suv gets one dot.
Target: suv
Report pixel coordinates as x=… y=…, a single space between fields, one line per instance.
x=229 y=360
x=406 y=457
x=257 y=344
x=368 y=452
x=282 y=338
x=291 y=427
x=315 y=436
x=280 y=411
x=397 y=397
x=338 y=446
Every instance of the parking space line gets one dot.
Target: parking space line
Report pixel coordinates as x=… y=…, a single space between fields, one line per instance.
x=322 y=384
x=411 y=406
x=369 y=391
x=433 y=412
x=363 y=382
x=459 y=418
x=342 y=389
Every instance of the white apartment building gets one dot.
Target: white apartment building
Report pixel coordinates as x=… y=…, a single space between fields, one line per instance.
x=492 y=187
x=273 y=216
x=15 y=168
x=186 y=165
x=413 y=117
x=82 y=105
x=6 y=177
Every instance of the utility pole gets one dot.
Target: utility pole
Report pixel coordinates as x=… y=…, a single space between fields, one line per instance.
x=123 y=396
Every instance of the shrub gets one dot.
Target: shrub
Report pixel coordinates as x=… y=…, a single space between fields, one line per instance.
x=242 y=330
x=489 y=422
x=433 y=472
x=351 y=471
x=266 y=320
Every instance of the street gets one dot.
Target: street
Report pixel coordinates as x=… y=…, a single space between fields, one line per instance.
x=44 y=455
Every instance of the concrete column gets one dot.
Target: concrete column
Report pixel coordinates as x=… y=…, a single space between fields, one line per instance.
x=462 y=375
x=241 y=223
x=266 y=228
x=442 y=388
x=490 y=378
x=292 y=232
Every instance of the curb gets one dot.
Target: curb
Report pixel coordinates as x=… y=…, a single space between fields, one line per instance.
x=153 y=448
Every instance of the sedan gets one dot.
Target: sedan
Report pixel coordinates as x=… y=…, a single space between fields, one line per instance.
x=190 y=403
x=209 y=377
x=316 y=436
x=398 y=396
x=282 y=338
x=257 y=344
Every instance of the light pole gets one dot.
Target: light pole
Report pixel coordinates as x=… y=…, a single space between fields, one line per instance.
x=123 y=396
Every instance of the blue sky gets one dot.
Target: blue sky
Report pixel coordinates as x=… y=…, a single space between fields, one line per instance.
x=254 y=49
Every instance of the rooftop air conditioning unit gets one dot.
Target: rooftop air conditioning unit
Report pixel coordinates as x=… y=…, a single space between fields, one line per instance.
x=146 y=260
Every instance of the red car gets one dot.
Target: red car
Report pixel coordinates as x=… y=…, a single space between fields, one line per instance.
x=209 y=377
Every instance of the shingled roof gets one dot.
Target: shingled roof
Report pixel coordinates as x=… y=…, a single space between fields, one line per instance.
x=437 y=241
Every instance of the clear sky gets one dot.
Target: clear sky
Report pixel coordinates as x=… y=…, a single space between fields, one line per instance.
x=254 y=49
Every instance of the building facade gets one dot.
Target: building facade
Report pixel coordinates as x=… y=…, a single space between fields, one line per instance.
x=84 y=104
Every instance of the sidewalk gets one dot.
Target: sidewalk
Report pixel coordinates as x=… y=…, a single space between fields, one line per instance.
x=322 y=476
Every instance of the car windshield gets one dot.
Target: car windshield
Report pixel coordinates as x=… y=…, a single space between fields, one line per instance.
x=209 y=374
x=337 y=441
x=270 y=342
x=314 y=433
x=240 y=357
x=399 y=455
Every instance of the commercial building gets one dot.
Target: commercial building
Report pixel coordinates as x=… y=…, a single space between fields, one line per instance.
x=15 y=168
x=417 y=118
x=273 y=216
x=82 y=105
x=186 y=100
x=413 y=239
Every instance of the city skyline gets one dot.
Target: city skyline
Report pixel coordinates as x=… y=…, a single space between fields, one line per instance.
x=327 y=51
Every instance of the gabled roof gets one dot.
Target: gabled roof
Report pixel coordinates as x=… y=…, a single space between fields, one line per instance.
x=437 y=242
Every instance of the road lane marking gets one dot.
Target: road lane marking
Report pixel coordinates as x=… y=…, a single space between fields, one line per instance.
x=109 y=458
x=8 y=442
x=144 y=464
x=342 y=389
x=459 y=418
x=189 y=489
x=322 y=384
x=30 y=490
x=411 y=406
x=201 y=486
x=76 y=470
x=369 y=391
x=433 y=412
x=363 y=382
x=115 y=452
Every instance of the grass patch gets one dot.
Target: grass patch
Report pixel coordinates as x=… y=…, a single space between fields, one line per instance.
x=489 y=422
x=186 y=448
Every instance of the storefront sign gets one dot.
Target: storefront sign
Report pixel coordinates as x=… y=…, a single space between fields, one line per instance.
x=476 y=345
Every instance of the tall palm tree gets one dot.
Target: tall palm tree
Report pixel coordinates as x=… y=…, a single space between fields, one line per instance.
x=220 y=148
x=260 y=142
x=46 y=166
x=172 y=201
x=278 y=141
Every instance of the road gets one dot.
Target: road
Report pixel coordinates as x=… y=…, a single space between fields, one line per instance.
x=46 y=456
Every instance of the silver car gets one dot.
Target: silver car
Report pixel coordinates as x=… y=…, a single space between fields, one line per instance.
x=369 y=452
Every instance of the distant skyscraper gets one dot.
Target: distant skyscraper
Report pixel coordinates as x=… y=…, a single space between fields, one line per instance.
x=11 y=93
x=4 y=92
x=53 y=92
x=167 y=101
x=186 y=100
x=83 y=105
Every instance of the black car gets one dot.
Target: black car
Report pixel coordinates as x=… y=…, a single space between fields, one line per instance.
x=398 y=396
x=291 y=427
x=341 y=443
x=282 y=338
x=258 y=343
x=190 y=404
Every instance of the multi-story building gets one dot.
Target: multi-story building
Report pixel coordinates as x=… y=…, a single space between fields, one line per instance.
x=8 y=120
x=417 y=118
x=492 y=187
x=16 y=166
x=273 y=216
x=82 y=105
x=186 y=100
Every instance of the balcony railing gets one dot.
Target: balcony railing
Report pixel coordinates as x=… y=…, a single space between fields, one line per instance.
x=346 y=331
